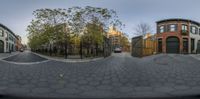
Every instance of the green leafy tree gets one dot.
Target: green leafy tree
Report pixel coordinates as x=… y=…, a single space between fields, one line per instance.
x=68 y=26
x=45 y=28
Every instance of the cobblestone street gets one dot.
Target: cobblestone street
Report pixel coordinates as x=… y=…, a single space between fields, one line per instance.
x=119 y=75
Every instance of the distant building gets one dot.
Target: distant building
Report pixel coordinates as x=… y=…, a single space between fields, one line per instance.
x=7 y=39
x=116 y=38
x=178 y=36
x=18 y=43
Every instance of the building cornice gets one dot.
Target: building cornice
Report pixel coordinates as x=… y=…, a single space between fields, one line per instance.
x=178 y=19
x=1 y=25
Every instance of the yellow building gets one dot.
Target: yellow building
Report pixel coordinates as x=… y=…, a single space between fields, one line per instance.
x=115 y=36
x=118 y=39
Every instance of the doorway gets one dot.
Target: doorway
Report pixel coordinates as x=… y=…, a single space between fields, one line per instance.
x=172 y=45
x=1 y=46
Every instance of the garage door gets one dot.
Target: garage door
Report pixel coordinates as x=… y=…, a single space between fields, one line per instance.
x=1 y=46
x=172 y=45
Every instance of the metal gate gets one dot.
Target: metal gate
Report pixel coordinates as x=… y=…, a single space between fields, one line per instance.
x=172 y=45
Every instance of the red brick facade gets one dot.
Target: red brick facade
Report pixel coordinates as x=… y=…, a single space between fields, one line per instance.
x=177 y=33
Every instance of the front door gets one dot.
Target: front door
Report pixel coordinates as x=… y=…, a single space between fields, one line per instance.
x=185 y=45
x=1 y=46
x=172 y=45
x=192 y=45
x=160 y=45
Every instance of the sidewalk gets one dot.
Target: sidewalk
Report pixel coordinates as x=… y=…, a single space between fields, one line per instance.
x=6 y=55
x=62 y=59
x=196 y=56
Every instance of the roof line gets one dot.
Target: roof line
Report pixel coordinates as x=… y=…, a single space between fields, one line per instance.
x=5 y=27
x=178 y=19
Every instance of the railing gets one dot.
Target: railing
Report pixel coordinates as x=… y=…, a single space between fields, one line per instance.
x=184 y=32
x=82 y=49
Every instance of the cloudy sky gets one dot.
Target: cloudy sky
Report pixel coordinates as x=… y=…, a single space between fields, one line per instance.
x=17 y=14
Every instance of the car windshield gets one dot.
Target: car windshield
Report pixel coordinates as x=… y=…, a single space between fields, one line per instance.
x=99 y=48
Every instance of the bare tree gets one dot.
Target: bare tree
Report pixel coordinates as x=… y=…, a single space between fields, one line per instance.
x=142 y=29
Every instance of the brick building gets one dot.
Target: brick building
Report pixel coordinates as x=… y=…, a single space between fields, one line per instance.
x=18 y=43
x=178 y=36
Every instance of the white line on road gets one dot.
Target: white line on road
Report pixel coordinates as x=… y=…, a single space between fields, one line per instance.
x=24 y=63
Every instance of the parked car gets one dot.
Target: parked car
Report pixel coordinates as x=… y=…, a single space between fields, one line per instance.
x=117 y=50
x=21 y=50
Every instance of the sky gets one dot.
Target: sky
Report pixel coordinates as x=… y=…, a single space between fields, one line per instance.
x=17 y=14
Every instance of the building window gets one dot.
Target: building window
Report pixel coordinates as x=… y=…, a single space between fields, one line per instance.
x=194 y=30
x=1 y=33
x=184 y=27
x=6 y=34
x=161 y=29
x=172 y=28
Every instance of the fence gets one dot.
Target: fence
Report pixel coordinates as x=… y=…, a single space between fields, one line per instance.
x=78 y=50
x=143 y=47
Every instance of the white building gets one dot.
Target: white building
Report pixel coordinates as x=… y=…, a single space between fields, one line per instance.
x=7 y=39
x=178 y=36
x=194 y=37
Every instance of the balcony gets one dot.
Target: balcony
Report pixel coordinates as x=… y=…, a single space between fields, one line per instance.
x=184 y=32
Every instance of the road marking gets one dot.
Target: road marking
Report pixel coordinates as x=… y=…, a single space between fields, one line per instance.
x=25 y=63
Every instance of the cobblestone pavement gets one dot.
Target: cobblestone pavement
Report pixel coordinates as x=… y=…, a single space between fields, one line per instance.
x=5 y=55
x=117 y=76
x=25 y=56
